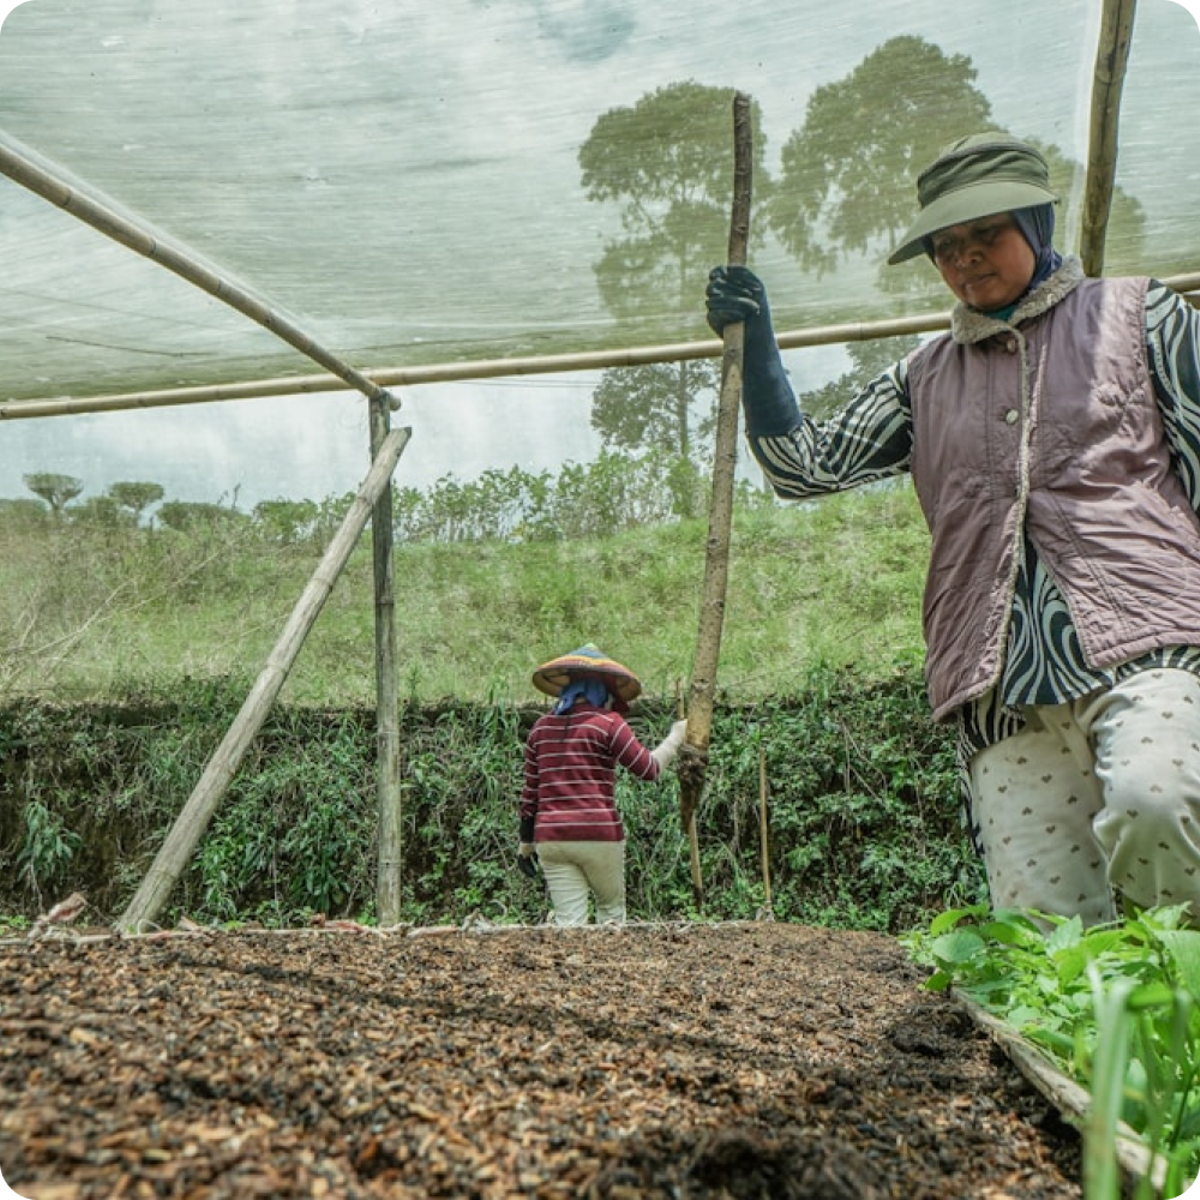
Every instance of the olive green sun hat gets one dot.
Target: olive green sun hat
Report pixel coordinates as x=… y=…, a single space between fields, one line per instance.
x=975 y=177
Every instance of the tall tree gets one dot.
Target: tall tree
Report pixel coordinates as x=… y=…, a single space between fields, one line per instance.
x=668 y=162
x=57 y=490
x=848 y=175
x=135 y=497
x=652 y=406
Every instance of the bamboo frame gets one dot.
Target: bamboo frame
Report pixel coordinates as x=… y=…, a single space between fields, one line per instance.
x=192 y=821
x=1112 y=55
x=27 y=169
x=388 y=872
x=23 y=166
x=499 y=368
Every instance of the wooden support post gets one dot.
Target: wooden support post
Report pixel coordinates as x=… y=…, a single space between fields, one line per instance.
x=720 y=515
x=191 y=823
x=388 y=876
x=1112 y=54
x=764 y=829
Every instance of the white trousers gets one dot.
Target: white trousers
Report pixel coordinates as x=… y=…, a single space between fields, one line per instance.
x=1098 y=795
x=575 y=870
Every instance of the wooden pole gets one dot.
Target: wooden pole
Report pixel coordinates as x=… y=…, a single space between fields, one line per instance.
x=720 y=514
x=1112 y=55
x=763 y=828
x=387 y=693
x=796 y=339
x=192 y=821
x=25 y=167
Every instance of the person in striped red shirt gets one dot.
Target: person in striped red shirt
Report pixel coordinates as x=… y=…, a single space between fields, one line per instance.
x=569 y=818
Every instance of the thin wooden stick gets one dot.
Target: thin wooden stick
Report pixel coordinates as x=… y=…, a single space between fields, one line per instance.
x=28 y=169
x=192 y=821
x=763 y=828
x=1112 y=54
x=720 y=513
x=796 y=339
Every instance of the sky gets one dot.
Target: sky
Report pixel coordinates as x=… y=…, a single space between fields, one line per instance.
x=314 y=446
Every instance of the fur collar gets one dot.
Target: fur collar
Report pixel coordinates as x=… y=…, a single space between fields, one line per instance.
x=968 y=326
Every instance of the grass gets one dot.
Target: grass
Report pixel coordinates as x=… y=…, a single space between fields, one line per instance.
x=836 y=583
x=129 y=653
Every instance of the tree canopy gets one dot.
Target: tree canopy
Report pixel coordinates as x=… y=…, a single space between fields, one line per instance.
x=668 y=162
x=57 y=490
x=848 y=173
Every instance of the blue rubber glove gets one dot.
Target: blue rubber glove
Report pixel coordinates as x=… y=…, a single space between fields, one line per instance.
x=737 y=294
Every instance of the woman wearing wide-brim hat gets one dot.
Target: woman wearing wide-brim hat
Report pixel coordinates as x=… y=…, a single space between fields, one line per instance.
x=568 y=812
x=1053 y=437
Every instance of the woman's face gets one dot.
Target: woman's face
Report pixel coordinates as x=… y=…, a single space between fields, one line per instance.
x=987 y=263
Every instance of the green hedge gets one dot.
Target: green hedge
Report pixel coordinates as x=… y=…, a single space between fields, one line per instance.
x=864 y=829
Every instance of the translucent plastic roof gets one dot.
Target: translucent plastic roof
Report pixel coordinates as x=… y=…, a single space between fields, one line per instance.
x=410 y=183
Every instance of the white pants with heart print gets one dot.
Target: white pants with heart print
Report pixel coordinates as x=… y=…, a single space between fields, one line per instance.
x=1096 y=798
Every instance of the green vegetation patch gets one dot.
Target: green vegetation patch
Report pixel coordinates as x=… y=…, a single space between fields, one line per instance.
x=863 y=825
x=1116 y=1007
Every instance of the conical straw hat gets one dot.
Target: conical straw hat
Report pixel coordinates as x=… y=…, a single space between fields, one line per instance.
x=587 y=662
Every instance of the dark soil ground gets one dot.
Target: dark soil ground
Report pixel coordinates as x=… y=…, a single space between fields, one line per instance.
x=747 y=1060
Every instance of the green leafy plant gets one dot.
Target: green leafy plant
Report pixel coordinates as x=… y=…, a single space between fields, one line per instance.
x=858 y=781
x=47 y=848
x=1117 y=1007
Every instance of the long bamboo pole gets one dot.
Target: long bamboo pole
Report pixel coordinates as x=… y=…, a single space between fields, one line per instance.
x=796 y=339
x=192 y=821
x=387 y=693
x=1112 y=55
x=30 y=170
x=720 y=514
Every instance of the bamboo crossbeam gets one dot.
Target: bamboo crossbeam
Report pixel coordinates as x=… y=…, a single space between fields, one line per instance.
x=1112 y=55
x=192 y=821
x=500 y=368
x=28 y=169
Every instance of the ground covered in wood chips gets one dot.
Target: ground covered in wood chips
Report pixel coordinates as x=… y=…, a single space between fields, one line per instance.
x=743 y=1060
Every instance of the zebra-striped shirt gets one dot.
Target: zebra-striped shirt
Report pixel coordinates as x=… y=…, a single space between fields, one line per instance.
x=871 y=439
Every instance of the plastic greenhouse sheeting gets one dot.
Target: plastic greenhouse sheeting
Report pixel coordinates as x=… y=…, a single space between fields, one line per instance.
x=405 y=180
